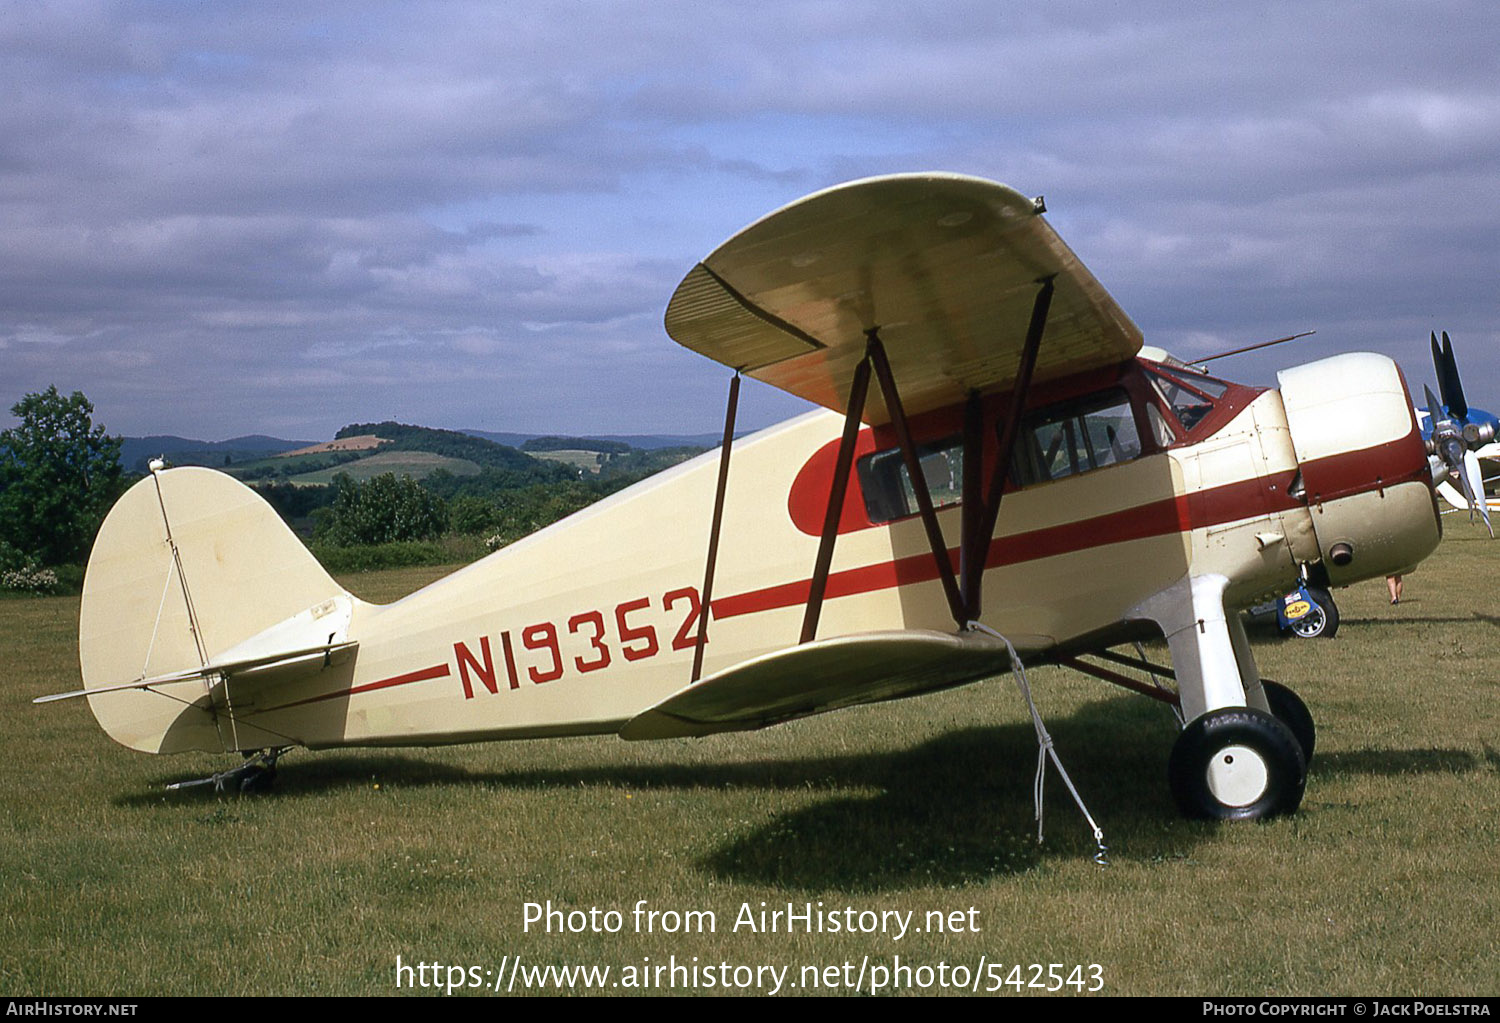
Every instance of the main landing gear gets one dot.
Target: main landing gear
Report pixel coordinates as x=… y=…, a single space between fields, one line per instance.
x=1237 y=763
x=1322 y=620
x=1244 y=749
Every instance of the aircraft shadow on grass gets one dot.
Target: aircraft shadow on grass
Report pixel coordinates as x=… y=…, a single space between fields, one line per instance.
x=953 y=810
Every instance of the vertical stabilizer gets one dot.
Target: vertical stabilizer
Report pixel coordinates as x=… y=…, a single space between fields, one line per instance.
x=189 y=564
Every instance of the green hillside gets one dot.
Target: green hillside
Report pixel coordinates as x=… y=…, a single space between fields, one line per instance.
x=449 y=443
x=416 y=464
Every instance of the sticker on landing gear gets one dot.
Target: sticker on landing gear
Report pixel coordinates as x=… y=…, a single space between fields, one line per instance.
x=1295 y=610
x=1295 y=606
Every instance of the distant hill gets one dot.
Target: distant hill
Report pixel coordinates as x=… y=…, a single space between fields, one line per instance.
x=451 y=443
x=253 y=455
x=640 y=441
x=366 y=444
x=416 y=464
x=137 y=452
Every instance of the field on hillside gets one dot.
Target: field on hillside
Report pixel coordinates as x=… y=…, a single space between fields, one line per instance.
x=1383 y=884
x=588 y=461
x=415 y=464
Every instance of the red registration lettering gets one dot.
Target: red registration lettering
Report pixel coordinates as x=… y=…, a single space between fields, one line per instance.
x=687 y=634
x=595 y=619
x=543 y=637
x=630 y=634
x=485 y=671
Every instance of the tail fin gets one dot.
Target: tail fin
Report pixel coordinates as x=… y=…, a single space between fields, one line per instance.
x=192 y=568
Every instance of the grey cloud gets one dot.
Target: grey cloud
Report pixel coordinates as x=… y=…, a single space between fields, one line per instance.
x=240 y=215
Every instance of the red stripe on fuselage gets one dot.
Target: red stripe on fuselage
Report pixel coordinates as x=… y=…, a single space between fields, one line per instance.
x=425 y=674
x=1158 y=518
x=1355 y=472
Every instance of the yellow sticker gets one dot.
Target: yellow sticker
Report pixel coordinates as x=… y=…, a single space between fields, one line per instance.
x=1297 y=609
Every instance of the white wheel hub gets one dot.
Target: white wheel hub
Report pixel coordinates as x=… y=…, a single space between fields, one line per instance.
x=1238 y=776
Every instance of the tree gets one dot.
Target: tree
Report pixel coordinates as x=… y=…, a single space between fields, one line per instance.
x=381 y=510
x=59 y=475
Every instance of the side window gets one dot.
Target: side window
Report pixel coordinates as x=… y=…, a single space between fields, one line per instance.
x=1159 y=428
x=1078 y=437
x=1190 y=397
x=889 y=494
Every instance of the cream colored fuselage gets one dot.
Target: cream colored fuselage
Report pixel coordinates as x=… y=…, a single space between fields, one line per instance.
x=587 y=623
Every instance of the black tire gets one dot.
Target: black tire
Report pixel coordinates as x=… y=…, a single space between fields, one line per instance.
x=1237 y=763
x=1288 y=708
x=1324 y=599
x=257 y=780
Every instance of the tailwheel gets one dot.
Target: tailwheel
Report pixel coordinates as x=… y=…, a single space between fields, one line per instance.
x=256 y=779
x=1237 y=763
x=1289 y=709
x=256 y=775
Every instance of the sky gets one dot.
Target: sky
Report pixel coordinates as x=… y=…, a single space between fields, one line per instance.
x=228 y=218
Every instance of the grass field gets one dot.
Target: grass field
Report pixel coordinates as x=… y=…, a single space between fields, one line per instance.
x=416 y=464
x=1384 y=883
x=588 y=461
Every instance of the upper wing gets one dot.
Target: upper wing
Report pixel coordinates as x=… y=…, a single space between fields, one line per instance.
x=946 y=267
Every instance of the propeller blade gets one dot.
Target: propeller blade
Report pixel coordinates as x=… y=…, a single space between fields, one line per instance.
x=1474 y=490
x=1435 y=410
x=1448 y=382
x=1437 y=367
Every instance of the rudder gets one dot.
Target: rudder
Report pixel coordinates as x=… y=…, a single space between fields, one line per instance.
x=190 y=563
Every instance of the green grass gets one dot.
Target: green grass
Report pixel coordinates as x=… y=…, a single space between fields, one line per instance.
x=588 y=461
x=1384 y=883
x=416 y=464
x=443 y=553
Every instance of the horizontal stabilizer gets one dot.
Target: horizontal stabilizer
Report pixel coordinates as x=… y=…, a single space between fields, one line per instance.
x=314 y=658
x=821 y=676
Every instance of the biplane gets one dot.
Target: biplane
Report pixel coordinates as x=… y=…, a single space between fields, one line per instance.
x=996 y=467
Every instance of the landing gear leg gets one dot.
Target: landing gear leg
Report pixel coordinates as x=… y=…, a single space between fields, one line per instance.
x=1234 y=759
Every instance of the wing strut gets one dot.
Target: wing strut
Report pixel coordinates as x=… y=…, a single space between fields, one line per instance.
x=876 y=355
x=857 y=391
x=979 y=529
x=706 y=604
x=980 y=511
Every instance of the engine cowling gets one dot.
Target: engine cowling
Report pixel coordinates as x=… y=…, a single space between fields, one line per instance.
x=1362 y=464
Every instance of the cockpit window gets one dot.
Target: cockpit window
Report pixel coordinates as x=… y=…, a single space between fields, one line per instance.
x=1190 y=396
x=889 y=494
x=1066 y=439
x=1078 y=437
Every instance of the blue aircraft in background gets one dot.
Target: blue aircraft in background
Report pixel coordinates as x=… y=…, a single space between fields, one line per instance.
x=1458 y=436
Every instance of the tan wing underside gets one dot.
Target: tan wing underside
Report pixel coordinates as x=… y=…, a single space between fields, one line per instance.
x=946 y=267
x=821 y=676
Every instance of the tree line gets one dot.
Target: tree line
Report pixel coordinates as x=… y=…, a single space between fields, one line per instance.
x=60 y=474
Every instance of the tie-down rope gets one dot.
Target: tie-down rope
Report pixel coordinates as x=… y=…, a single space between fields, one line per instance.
x=1045 y=749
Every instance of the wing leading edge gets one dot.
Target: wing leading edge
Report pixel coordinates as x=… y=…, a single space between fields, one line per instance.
x=945 y=267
